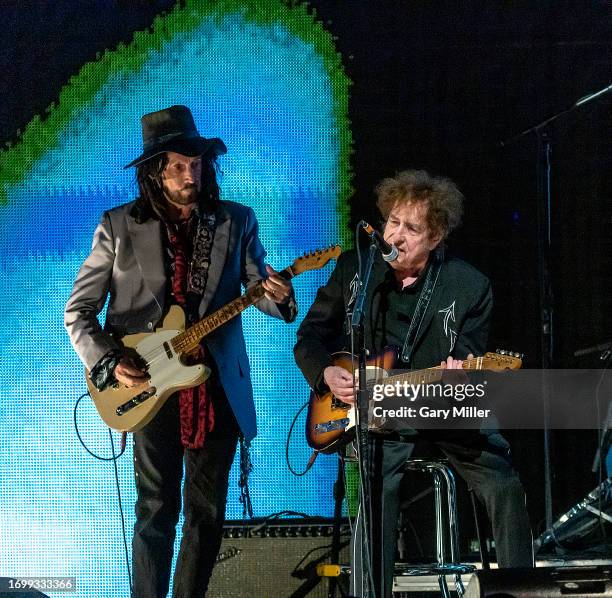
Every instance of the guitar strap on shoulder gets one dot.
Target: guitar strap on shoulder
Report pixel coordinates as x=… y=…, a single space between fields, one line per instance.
x=423 y=303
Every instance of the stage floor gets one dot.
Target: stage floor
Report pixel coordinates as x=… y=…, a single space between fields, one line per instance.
x=429 y=583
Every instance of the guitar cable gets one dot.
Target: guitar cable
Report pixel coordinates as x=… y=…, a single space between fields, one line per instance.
x=314 y=455
x=114 y=460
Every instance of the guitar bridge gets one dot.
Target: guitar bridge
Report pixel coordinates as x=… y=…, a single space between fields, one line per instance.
x=134 y=401
x=331 y=426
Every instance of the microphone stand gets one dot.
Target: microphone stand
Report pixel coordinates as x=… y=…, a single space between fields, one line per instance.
x=361 y=427
x=544 y=194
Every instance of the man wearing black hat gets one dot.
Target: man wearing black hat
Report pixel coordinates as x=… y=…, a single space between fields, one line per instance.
x=178 y=243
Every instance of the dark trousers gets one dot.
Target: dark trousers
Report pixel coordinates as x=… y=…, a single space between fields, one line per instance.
x=484 y=463
x=158 y=465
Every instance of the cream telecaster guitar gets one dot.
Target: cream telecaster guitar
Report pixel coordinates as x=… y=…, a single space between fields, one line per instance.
x=162 y=354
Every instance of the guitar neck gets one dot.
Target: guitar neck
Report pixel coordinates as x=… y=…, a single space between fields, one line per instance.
x=430 y=375
x=189 y=340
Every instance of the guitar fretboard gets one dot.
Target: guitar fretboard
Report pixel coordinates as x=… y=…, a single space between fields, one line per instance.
x=434 y=374
x=187 y=341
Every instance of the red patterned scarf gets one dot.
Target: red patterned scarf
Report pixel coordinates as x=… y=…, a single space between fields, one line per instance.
x=197 y=414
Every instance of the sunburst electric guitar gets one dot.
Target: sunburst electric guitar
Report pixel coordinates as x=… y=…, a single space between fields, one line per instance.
x=330 y=422
x=162 y=353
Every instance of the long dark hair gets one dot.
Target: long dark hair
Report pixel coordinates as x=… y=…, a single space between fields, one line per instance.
x=152 y=204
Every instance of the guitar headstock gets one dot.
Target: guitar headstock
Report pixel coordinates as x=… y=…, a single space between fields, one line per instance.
x=314 y=260
x=502 y=360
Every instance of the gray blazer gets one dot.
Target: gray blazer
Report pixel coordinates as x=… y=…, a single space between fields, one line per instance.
x=126 y=266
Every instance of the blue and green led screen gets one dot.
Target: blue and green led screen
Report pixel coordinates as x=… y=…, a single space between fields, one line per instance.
x=265 y=78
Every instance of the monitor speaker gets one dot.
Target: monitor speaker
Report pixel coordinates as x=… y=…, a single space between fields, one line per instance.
x=542 y=582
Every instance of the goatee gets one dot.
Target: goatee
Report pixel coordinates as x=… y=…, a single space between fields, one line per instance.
x=183 y=197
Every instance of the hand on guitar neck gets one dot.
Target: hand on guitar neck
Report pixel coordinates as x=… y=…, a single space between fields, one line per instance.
x=457 y=376
x=277 y=288
x=340 y=381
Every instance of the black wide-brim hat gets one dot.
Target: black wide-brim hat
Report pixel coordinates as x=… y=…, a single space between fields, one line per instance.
x=173 y=130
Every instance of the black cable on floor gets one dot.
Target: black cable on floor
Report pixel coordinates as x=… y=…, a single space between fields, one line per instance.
x=113 y=458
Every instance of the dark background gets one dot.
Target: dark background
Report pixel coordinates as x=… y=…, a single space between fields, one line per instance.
x=437 y=85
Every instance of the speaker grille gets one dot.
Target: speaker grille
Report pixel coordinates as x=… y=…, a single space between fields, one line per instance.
x=275 y=560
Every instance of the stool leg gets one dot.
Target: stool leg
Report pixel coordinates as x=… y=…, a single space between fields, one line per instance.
x=453 y=524
x=443 y=475
x=440 y=530
x=451 y=501
x=444 y=591
x=439 y=517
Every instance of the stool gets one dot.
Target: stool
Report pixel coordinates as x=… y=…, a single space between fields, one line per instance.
x=442 y=475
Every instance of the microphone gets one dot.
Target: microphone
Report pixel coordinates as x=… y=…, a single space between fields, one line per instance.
x=389 y=252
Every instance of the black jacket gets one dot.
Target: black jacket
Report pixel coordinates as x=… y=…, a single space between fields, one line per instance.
x=456 y=322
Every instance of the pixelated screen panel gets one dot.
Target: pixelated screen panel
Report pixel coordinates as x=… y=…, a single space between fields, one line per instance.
x=266 y=79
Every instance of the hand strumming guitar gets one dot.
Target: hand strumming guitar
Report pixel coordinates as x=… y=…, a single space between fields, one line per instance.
x=127 y=373
x=340 y=382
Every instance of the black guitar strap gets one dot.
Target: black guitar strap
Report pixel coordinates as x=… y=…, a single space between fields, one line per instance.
x=423 y=303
